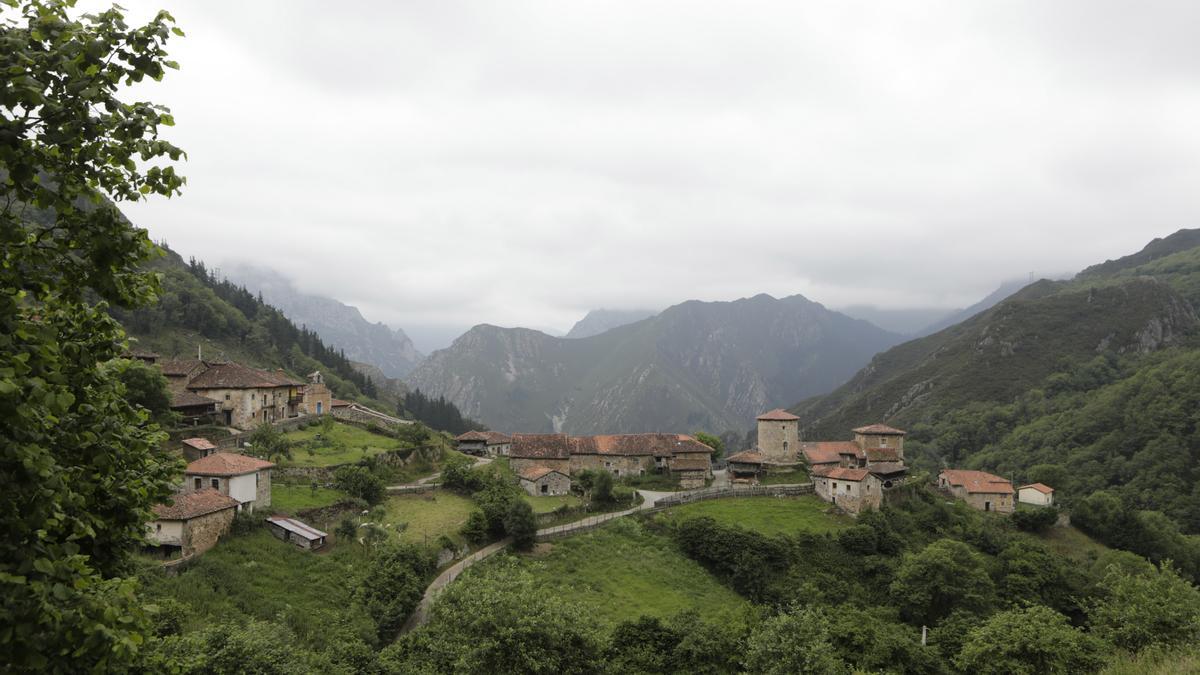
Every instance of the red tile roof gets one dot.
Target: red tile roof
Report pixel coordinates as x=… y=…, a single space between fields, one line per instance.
x=1040 y=487
x=194 y=504
x=338 y=403
x=826 y=452
x=199 y=443
x=489 y=437
x=841 y=473
x=635 y=445
x=236 y=376
x=747 y=457
x=977 y=481
x=227 y=464
x=533 y=473
x=881 y=429
x=540 y=446
x=778 y=415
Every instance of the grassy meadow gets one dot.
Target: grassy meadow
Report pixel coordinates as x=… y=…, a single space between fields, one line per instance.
x=428 y=515
x=292 y=498
x=622 y=571
x=341 y=444
x=766 y=515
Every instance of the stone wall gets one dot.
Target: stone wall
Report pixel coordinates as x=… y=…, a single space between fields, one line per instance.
x=779 y=440
x=201 y=534
x=865 y=441
x=354 y=413
x=262 y=497
x=986 y=502
x=621 y=465
x=853 y=497
x=555 y=483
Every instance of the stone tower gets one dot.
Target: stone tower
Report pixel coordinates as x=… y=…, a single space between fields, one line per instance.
x=779 y=436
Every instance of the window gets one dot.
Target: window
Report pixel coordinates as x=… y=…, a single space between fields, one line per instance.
x=158 y=527
x=545 y=488
x=216 y=483
x=226 y=397
x=198 y=483
x=883 y=441
x=264 y=400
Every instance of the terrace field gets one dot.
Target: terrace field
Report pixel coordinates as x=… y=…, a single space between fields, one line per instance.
x=428 y=515
x=767 y=515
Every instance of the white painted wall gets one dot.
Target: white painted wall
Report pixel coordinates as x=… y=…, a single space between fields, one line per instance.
x=165 y=532
x=1031 y=496
x=243 y=488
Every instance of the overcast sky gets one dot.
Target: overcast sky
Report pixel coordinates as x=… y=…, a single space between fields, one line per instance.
x=518 y=163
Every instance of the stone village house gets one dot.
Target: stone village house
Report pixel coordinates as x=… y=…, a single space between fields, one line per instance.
x=1038 y=494
x=192 y=523
x=541 y=481
x=852 y=490
x=245 y=479
x=619 y=454
x=979 y=489
x=240 y=396
x=484 y=443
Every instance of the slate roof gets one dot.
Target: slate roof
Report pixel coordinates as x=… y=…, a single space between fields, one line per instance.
x=226 y=464
x=540 y=446
x=533 y=473
x=778 y=415
x=1040 y=487
x=747 y=457
x=199 y=443
x=880 y=429
x=194 y=504
x=190 y=399
x=842 y=473
x=977 y=482
x=236 y=376
x=826 y=452
x=297 y=527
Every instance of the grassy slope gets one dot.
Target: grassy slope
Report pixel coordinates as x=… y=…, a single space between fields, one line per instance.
x=293 y=498
x=428 y=515
x=343 y=444
x=621 y=571
x=258 y=576
x=767 y=515
x=548 y=504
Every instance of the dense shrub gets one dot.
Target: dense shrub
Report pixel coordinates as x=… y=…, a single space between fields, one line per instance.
x=358 y=481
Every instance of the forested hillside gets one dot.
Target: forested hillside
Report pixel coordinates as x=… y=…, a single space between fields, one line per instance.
x=1088 y=385
x=197 y=312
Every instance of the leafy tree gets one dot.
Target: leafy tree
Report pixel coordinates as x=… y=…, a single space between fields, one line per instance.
x=78 y=462
x=268 y=442
x=1151 y=608
x=393 y=584
x=874 y=641
x=520 y=524
x=1029 y=641
x=714 y=442
x=475 y=530
x=499 y=620
x=259 y=647
x=943 y=576
x=457 y=475
x=793 y=642
x=1035 y=520
x=358 y=481
x=602 y=487
x=145 y=387
x=1031 y=573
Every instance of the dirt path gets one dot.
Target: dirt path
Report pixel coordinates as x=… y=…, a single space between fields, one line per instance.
x=422 y=482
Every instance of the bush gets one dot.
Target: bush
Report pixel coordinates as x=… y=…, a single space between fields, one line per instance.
x=520 y=524
x=602 y=488
x=1036 y=519
x=393 y=585
x=346 y=529
x=358 y=481
x=623 y=494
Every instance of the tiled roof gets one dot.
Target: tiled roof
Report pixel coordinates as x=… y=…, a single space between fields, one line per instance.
x=471 y=436
x=636 y=445
x=540 y=446
x=977 y=481
x=682 y=464
x=226 y=464
x=338 y=403
x=747 y=457
x=190 y=399
x=236 y=376
x=533 y=473
x=489 y=437
x=887 y=468
x=194 y=505
x=778 y=415
x=179 y=367
x=881 y=429
x=882 y=454
x=1040 y=487
x=842 y=473
x=199 y=443
x=826 y=452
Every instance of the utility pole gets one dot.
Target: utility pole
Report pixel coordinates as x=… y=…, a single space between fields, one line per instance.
x=924 y=635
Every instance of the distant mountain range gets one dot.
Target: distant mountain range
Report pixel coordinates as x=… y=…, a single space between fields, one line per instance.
x=696 y=365
x=1137 y=304
x=338 y=324
x=599 y=321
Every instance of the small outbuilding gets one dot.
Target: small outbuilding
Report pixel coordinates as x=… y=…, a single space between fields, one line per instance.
x=691 y=472
x=296 y=532
x=1037 y=494
x=192 y=523
x=197 y=448
x=851 y=489
x=542 y=481
x=745 y=466
x=979 y=489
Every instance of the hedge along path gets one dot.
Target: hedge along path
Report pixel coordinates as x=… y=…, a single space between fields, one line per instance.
x=420 y=615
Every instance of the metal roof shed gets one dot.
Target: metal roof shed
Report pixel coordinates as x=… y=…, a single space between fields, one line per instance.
x=296 y=532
